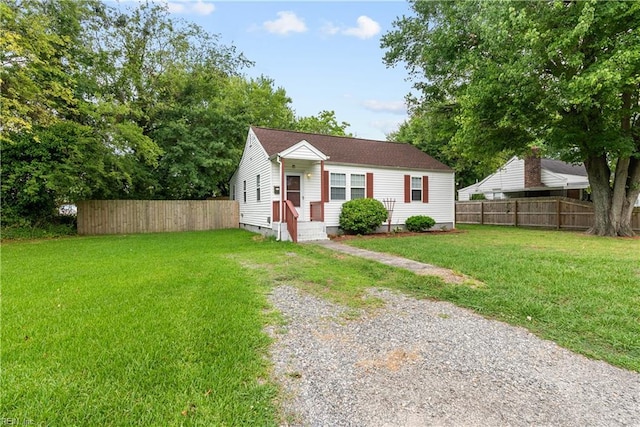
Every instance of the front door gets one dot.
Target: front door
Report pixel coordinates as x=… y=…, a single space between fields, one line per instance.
x=294 y=191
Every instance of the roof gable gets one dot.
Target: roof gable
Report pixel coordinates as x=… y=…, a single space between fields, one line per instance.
x=341 y=149
x=304 y=150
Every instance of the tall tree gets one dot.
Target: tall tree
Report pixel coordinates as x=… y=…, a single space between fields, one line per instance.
x=81 y=87
x=39 y=58
x=325 y=123
x=564 y=75
x=432 y=131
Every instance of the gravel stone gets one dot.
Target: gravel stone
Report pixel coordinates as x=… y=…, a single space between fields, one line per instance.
x=426 y=363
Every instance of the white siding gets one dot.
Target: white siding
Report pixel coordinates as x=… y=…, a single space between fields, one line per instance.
x=465 y=193
x=509 y=177
x=302 y=152
x=558 y=180
x=552 y=180
x=254 y=162
x=389 y=184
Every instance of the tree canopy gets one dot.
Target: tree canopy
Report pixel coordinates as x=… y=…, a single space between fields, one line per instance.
x=560 y=75
x=104 y=102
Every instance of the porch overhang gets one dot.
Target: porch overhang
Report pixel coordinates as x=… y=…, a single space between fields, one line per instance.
x=301 y=151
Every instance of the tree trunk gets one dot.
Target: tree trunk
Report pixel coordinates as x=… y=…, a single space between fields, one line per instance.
x=599 y=174
x=633 y=190
x=619 y=195
x=627 y=179
x=613 y=207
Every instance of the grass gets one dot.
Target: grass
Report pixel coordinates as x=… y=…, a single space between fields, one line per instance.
x=159 y=329
x=580 y=291
x=167 y=329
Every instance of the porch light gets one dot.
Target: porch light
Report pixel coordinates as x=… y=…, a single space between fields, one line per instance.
x=309 y=175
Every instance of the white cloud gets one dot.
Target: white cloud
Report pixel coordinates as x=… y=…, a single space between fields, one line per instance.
x=330 y=29
x=394 y=107
x=366 y=28
x=286 y=23
x=203 y=8
x=386 y=126
x=199 y=7
x=175 y=7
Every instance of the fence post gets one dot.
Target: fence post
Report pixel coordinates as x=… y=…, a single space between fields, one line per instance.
x=481 y=212
x=558 y=212
x=515 y=214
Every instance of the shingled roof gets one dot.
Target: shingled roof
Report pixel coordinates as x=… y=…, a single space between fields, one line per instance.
x=559 y=166
x=342 y=149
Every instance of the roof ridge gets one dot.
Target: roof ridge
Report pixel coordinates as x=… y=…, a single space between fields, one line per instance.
x=329 y=135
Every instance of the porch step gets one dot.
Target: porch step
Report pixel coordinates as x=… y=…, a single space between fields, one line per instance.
x=311 y=230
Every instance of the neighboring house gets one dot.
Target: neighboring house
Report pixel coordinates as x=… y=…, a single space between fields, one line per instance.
x=531 y=177
x=292 y=184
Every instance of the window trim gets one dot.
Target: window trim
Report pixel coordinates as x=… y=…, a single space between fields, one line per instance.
x=258 y=188
x=363 y=187
x=244 y=191
x=418 y=189
x=332 y=186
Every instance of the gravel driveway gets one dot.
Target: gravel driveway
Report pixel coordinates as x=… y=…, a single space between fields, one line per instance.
x=424 y=363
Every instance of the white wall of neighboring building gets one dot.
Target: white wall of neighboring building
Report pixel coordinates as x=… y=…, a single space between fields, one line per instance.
x=560 y=180
x=509 y=177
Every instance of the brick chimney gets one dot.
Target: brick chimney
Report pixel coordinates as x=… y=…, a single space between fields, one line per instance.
x=533 y=169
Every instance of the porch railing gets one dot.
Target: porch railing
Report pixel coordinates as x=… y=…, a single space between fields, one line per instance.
x=291 y=217
x=317 y=211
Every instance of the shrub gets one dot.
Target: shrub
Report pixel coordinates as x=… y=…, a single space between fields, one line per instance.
x=419 y=223
x=362 y=216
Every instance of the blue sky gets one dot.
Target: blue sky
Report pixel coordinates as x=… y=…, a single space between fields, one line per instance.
x=325 y=54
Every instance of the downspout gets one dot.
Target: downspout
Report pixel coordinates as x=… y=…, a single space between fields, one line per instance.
x=281 y=195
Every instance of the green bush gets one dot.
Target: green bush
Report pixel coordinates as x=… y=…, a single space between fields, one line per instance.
x=362 y=216
x=419 y=223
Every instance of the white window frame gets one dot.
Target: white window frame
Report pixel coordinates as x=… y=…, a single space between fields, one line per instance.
x=416 y=180
x=333 y=185
x=257 y=188
x=362 y=187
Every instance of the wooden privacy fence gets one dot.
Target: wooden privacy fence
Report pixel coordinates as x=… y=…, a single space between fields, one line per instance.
x=549 y=212
x=151 y=216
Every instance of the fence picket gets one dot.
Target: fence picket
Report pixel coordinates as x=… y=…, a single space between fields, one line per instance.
x=548 y=212
x=152 y=216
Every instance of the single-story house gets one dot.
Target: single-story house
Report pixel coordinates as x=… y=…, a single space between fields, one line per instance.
x=292 y=184
x=531 y=177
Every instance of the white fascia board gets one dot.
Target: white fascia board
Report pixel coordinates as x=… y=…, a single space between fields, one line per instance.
x=303 y=144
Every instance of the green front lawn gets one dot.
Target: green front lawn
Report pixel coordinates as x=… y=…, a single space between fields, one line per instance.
x=167 y=329
x=158 y=329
